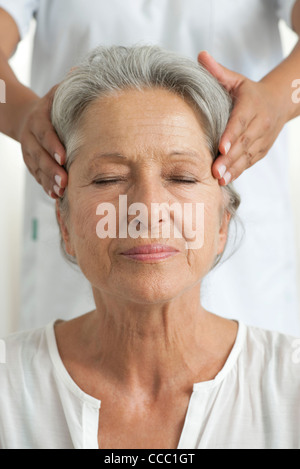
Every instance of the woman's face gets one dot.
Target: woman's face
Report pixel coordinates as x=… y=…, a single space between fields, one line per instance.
x=148 y=146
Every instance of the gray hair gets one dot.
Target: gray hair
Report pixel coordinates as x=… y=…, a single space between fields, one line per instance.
x=109 y=70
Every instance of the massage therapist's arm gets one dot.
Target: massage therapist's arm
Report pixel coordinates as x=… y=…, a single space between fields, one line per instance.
x=260 y=112
x=25 y=117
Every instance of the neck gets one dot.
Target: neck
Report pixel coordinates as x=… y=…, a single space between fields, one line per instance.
x=155 y=347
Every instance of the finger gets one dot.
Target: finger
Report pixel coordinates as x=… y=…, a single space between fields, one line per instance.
x=47 y=164
x=54 y=178
x=48 y=139
x=226 y=77
x=44 y=168
x=49 y=97
x=256 y=152
x=241 y=118
x=40 y=178
x=240 y=115
x=52 y=195
x=241 y=147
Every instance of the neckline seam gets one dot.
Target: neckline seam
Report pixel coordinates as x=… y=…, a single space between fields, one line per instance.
x=61 y=370
x=92 y=401
x=229 y=364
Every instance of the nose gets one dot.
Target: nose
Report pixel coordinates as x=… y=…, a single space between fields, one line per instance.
x=147 y=204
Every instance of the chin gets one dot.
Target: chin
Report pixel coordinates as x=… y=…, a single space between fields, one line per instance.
x=150 y=288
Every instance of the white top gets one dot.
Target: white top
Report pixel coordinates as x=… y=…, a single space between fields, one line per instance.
x=258 y=285
x=253 y=403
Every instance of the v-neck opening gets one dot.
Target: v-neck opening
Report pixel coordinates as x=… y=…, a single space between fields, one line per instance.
x=205 y=386
x=96 y=403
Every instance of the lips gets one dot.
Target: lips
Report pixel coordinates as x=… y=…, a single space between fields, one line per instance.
x=150 y=252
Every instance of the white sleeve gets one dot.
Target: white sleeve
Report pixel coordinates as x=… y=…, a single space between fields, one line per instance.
x=284 y=10
x=22 y=12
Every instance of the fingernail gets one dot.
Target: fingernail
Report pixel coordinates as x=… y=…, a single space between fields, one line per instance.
x=56 y=190
x=58 y=180
x=222 y=170
x=227 y=177
x=58 y=158
x=227 y=147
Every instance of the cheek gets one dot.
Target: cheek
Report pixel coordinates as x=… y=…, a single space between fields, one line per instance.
x=205 y=214
x=83 y=222
x=85 y=242
x=211 y=222
x=207 y=228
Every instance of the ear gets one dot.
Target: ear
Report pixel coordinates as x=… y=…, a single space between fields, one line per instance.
x=64 y=231
x=223 y=231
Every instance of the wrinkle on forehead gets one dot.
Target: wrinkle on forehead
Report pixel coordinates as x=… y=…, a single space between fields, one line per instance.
x=150 y=121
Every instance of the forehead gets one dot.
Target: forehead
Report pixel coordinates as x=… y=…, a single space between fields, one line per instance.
x=151 y=121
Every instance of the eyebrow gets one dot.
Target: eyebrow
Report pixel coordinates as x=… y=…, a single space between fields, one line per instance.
x=192 y=153
x=109 y=155
x=117 y=155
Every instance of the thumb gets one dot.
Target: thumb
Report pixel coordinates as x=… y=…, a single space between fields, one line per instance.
x=50 y=97
x=229 y=79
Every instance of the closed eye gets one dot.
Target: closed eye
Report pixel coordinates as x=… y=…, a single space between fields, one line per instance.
x=114 y=181
x=107 y=181
x=184 y=181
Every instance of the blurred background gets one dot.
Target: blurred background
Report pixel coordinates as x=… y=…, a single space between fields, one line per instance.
x=12 y=171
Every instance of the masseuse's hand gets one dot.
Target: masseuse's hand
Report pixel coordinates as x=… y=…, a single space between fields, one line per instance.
x=43 y=152
x=256 y=120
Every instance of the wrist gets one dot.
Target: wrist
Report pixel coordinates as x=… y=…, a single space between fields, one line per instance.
x=284 y=84
x=281 y=96
x=24 y=104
